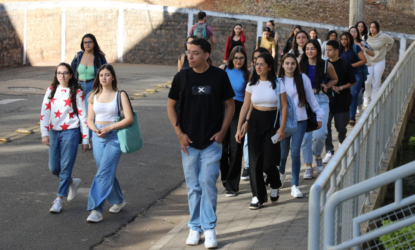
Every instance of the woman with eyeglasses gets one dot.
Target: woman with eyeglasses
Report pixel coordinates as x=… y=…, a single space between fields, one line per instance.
x=263 y=124
x=237 y=38
x=86 y=64
x=231 y=161
x=63 y=124
x=183 y=62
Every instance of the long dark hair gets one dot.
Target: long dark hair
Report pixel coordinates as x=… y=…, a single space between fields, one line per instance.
x=272 y=23
x=239 y=49
x=260 y=50
x=98 y=54
x=72 y=85
x=365 y=30
x=319 y=74
x=295 y=44
x=298 y=78
x=96 y=87
x=377 y=27
x=350 y=42
x=233 y=30
x=329 y=34
x=358 y=38
x=295 y=27
x=316 y=32
x=269 y=60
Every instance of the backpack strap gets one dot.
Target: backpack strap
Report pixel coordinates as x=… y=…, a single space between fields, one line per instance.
x=183 y=79
x=259 y=41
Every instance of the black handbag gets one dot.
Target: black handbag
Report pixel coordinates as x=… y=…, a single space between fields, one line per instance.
x=312 y=123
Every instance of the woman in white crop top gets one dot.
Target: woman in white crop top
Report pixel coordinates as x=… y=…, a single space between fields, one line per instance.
x=264 y=156
x=63 y=123
x=103 y=108
x=298 y=87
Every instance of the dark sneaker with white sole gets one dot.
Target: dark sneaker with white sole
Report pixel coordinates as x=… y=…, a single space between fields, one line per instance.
x=245 y=174
x=255 y=204
x=230 y=193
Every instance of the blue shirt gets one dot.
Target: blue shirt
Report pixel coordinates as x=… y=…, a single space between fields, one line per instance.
x=350 y=56
x=311 y=74
x=236 y=76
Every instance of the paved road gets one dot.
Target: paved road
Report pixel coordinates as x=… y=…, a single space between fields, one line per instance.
x=29 y=187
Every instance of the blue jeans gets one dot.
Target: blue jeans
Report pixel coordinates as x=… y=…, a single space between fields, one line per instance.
x=355 y=91
x=313 y=142
x=62 y=154
x=87 y=87
x=296 y=139
x=201 y=171
x=246 y=154
x=107 y=153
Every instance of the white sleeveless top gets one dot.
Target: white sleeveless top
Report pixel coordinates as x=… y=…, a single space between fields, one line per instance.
x=106 y=112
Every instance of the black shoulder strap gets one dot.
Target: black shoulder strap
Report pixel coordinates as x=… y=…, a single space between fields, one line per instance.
x=259 y=41
x=183 y=80
x=120 y=109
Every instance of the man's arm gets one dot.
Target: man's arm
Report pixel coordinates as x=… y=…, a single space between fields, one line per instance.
x=183 y=138
x=229 y=111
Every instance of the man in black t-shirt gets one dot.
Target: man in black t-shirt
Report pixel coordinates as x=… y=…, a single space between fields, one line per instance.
x=206 y=110
x=340 y=97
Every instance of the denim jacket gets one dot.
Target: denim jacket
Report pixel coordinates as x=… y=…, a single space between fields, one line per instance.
x=77 y=60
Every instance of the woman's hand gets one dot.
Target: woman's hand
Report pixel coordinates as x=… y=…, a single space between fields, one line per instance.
x=320 y=123
x=85 y=147
x=99 y=134
x=239 y=135
x=46 y=141
x=244 y=128
x=281 y=134
x=105 y=130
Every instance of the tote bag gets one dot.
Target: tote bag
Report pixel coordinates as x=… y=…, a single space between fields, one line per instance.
x=130 y=136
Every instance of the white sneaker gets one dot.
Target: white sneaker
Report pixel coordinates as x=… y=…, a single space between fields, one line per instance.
x=340 y=145
x=117 y=207
x=94 y=216
x=210 y=239
x=57 y=205
x=193 y=239
x=366 y=101
x=73 y=188
x=282 y=178
x=295 y=192
x=328 y=157
x=359 y=110
x=308 y=174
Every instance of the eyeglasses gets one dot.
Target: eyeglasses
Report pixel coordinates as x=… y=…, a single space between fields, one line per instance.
x=239 y=59
x=66 y=73
x=88 y=42
x=188 y=53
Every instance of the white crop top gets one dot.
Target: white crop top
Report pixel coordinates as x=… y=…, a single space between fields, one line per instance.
x=106 y=112
x=263 y=95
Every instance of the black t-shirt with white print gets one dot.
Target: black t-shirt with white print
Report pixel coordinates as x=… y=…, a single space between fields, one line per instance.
x=203 y=103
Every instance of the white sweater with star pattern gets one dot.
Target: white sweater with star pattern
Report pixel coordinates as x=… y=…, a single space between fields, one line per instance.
x=57 y=113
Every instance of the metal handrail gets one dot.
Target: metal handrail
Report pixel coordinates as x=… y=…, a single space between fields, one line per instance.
x=349 y=152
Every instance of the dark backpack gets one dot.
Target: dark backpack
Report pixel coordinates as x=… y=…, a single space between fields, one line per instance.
x=364 y=69
x=179 y=105
x=200 y=31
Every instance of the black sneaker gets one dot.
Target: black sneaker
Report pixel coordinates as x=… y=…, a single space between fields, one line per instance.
x=274 y=195
x=223 y=183
x=230 y=193
x=255 y=204
x=245 y=174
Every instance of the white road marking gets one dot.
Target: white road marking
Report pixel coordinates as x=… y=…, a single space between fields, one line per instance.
x=7 y=101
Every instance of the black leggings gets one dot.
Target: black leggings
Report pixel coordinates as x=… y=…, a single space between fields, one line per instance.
x=264 y=156
x=231 y=161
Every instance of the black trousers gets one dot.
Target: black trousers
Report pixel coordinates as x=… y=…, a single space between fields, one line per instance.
x=231 y=161
x=340 y=122
x=264 y=156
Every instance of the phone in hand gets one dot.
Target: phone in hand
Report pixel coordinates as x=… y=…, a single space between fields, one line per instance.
x=274 y=139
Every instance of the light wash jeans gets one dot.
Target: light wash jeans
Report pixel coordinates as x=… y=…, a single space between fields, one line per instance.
x=201 y=171
x=374 y=79
x=313 y=142
x=87 y=87
x=295 y=140
x=107 y=153
x=62 y=154
x=355 y=91
x=246 y=154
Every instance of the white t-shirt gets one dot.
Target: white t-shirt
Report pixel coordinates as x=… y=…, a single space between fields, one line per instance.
x=262 y=94
x=309 y=94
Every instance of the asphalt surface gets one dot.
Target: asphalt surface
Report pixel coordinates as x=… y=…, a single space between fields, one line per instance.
x=28 y=187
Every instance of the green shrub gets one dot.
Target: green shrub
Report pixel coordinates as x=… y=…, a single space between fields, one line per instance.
x=412 y=142
x=403 y=238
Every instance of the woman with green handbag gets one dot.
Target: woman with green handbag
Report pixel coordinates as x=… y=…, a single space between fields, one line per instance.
x=103 y=111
